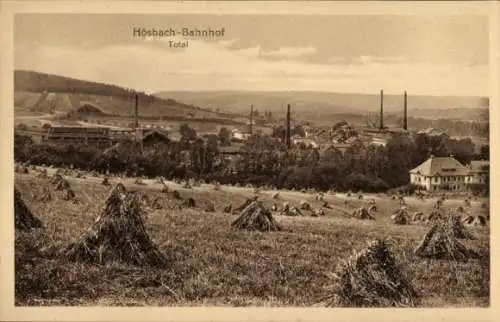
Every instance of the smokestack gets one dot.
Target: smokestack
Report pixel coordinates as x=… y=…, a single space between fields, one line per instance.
x=405 y=113
x=136 y=113
x=381 y=109
x=251 y=119
x=288 y=130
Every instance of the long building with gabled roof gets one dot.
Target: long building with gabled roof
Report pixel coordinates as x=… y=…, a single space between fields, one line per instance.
x=446 y=174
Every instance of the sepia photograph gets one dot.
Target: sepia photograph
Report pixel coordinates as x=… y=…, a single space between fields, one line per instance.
x=251 y=160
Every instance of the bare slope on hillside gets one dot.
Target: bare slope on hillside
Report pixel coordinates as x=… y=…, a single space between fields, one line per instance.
x=42 y=92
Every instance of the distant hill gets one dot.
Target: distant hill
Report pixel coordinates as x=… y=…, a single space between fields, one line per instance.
x=325 y=107
x=44 y=92
x=480 y=114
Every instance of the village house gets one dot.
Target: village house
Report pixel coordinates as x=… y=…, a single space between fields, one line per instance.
x=238 y=135
x=431 y=132
x=229 y=152
x=447 y=174
x=154 y=137
x=308 y=131
x=296 y=140
x=378 y=141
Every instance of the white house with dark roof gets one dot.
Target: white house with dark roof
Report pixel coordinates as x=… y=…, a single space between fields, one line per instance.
x=431 y=132
x=379 y=141
x=239 y=135
x=440 y=173
x=305 y=141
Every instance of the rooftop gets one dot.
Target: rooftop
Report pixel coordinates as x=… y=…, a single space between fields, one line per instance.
x=232 y=149
x=155 y=132
x=431 y=131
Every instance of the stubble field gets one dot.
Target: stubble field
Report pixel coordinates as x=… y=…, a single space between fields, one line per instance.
x=212 y=264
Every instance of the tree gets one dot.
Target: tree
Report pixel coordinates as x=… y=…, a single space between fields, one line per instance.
x=331 y=155
x=485 y=152
x=187 y=132
x=299 y=130
x=462 y=149
x=339 y=124
x=212 y=143
x=279 y=132
x=224 y=136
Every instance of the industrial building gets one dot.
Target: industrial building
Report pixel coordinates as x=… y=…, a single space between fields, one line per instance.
x=101 y=136
x=67 y=134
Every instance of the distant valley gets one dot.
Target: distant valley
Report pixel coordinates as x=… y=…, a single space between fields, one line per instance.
x=326 y=107
x=39 y=94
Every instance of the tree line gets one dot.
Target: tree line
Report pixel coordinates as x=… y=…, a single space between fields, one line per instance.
x=262 y=160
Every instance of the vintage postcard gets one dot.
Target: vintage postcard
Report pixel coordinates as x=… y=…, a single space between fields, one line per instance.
x=249 y=161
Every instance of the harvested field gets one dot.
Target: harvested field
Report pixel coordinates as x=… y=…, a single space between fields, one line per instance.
x=211 y=264
x=371 y=277
x=23 y=218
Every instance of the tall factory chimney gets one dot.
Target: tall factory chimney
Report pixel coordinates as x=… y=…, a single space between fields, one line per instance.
x=288 y=129
x=136 y=112
x=405 y=113
x=381 y=109
x=251 y=119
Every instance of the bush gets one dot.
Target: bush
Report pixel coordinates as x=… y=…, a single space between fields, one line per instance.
x=406 y=189
x=359 y=181
x=479 y=189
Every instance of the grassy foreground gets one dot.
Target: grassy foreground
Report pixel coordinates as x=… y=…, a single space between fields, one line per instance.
x=212 y=264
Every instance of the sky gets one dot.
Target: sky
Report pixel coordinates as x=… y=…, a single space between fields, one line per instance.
x=427 y=55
